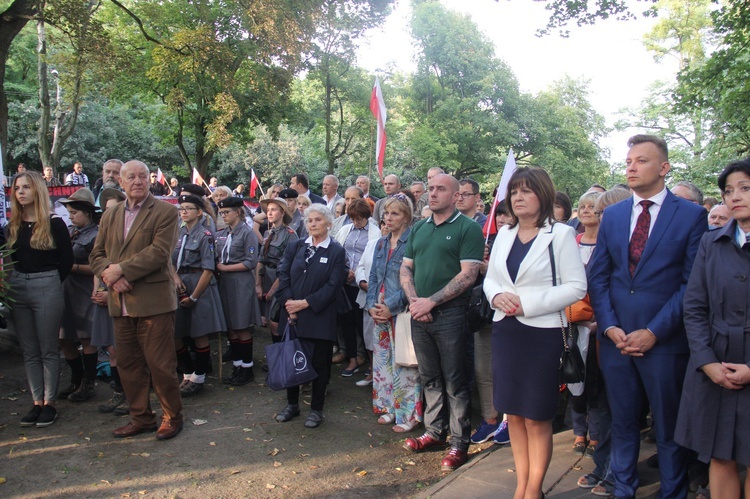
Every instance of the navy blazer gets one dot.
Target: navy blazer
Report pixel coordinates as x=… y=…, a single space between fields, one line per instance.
x=652 y=298
x=318 y=282
x=314 y=198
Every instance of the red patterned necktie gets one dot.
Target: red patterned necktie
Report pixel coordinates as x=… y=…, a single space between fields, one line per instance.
x=639 y=237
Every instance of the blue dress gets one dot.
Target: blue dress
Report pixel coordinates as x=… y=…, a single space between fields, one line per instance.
x=525 y=359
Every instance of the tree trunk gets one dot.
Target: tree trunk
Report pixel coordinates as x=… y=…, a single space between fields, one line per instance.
x=65 y=119
x=44 y=102
x=12 y=22
x=329 y=155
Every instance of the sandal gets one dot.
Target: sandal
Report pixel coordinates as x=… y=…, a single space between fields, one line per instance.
x=579 y=447
x=588 y=481
x=604 y=489
x=406 y=427
x=387 y=418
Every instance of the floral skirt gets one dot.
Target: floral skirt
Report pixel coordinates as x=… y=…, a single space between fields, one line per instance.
x=395 y=389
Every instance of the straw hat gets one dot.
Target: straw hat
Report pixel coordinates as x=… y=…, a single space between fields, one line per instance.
x=282 y=204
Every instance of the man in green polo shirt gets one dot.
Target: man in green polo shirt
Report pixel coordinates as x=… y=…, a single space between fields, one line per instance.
x=442 y=259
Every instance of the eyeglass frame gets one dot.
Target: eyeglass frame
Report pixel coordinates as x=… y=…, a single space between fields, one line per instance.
x=466 y=195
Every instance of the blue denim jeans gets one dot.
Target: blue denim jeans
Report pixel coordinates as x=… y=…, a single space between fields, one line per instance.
x=440 y=346
x=603 y=449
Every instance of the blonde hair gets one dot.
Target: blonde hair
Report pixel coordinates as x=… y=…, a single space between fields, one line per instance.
x=41 y=235
x=303 y=199
x=403 y=204
x=612 y=196
x=222 y=188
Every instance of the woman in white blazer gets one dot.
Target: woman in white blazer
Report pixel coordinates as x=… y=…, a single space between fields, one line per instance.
x=527 y=340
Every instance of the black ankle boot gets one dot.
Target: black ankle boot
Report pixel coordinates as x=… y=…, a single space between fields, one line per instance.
x=244 y=376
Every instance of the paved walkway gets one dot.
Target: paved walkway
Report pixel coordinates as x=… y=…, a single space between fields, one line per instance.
x=490 y=474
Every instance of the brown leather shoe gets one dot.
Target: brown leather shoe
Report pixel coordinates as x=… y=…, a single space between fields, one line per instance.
x=422 y=443
x=169 y=429
x=454 y=460
x=130 y=430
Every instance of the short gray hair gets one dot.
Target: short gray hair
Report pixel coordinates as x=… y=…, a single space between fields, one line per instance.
x=319 y=208
x=332 y=177
x=695 y=193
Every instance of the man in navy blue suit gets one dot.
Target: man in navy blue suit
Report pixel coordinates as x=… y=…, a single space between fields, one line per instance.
x=300 y=184
x=644 y=253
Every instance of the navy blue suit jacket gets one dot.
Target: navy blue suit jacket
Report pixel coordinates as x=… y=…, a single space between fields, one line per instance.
x=314 y=198
x=652 y=298
x=319 y=282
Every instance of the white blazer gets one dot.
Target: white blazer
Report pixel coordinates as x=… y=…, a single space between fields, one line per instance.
x=540 y=300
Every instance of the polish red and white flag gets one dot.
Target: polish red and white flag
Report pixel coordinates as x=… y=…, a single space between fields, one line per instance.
x=160 y=177
x=490 y=227
x=197 y=179
x=377 y=106
x=254 y=182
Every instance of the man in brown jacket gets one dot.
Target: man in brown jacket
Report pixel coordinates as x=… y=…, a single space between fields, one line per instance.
x=131 y=255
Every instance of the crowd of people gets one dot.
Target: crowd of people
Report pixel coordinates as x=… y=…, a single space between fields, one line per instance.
x=658 y=303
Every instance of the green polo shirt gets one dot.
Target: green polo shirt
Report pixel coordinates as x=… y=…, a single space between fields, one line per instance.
x=438 y=250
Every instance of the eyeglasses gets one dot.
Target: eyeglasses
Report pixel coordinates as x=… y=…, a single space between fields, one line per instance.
x=185 y=210
x=224 y=213
x=466 y=195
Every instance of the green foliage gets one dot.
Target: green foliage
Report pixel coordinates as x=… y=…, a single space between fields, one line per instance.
x=720 y=88
x=125 y=130
x=683 y=31
x=561 y=134
x=213 y=62
x=274 y=160
x=464 y=100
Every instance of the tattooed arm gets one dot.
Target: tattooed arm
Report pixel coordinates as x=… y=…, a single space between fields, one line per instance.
x=421 y=308
x=459 y=284
x=418 y=313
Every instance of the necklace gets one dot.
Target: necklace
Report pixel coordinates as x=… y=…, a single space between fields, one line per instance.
x=525 y=238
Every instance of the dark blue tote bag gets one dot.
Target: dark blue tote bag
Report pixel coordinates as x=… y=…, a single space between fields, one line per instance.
x=289 y=361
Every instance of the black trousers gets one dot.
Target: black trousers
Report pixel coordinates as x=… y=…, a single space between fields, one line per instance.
x=351 y=323
x=321 y=362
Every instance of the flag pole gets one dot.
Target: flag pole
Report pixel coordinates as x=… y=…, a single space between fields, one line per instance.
x=369 y=167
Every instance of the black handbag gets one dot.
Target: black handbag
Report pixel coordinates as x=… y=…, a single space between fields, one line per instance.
x=572 y=367
x=478 y=311
x=274 y=309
